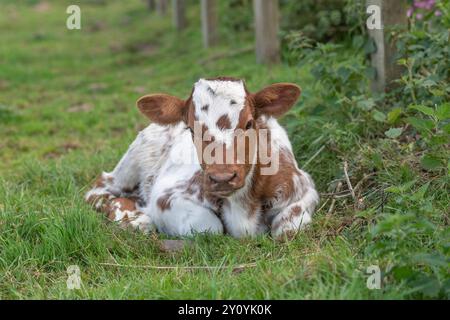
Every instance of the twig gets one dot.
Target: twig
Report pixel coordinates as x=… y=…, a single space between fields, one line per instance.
x=332 y=194
x=338 y=188
x=235 y=268
x=324 y=204
x=359 y=184
x=313 y=156
x=349 y=184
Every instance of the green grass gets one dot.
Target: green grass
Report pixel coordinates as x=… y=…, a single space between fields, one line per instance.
x=67 y=112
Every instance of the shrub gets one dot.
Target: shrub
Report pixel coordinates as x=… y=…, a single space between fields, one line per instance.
x=402 y=138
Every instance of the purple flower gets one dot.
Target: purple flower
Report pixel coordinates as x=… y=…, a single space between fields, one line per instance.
x=427 y=4
x=420 y=4
x=409 y=12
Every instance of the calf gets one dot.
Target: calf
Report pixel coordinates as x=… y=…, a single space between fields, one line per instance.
x=197 y=168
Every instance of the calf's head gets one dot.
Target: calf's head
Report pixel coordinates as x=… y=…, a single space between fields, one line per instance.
x=224 y=120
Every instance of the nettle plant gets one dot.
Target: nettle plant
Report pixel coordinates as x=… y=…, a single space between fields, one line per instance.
x=425 y=88
x=411 y=235
x=410 y=241
x=409 y=131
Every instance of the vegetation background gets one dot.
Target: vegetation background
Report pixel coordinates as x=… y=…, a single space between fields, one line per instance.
x=67 y=111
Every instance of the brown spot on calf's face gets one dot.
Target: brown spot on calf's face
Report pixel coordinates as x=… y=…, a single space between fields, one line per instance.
x=242 y=148
x=223 y=122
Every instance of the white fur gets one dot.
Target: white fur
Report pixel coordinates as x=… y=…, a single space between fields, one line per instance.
x=218 y=96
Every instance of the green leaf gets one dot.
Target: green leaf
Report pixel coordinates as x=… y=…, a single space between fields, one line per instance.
x=402 y=188
x=392 y=222
x=402 y=62
x=430 y=162
x=421 y=124
x=370 y=46
x=432 y=259
x=344 y=73
x=378 y=116
x=366 y=104
x=393 y=115
x=402 y=272
x=377 y=160
x=425 y=110
x=446 y=128
x=443 y=111
x=358 y=41
x=429 y=83
x=427 y=285
x=419 y=195
x=394 y=132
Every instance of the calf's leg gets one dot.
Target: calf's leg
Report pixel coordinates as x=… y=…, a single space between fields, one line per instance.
x=180 y=216
x=299 y=212
x=116 y=193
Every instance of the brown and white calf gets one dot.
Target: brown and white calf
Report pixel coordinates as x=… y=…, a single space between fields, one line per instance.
x=155 y=187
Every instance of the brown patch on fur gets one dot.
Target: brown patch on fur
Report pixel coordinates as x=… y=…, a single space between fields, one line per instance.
x=163 y=202
x=296 y=211
x=194 y=184
x=99 y=183
x=281 y=185
x=111 y=215
x=124 y=204
x=224 y=122
x=95 y=199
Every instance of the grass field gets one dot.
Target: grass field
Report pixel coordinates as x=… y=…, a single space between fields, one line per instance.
x=67 y=111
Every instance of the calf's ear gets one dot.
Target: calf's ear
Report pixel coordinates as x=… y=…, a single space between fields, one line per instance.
x=276 y=99
x=162 y=108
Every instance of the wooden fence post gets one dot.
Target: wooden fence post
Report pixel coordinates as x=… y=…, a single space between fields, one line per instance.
x=383 y=59
x=266 y=31
x=161 y=7
x=209 y=22
x=179 y=14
